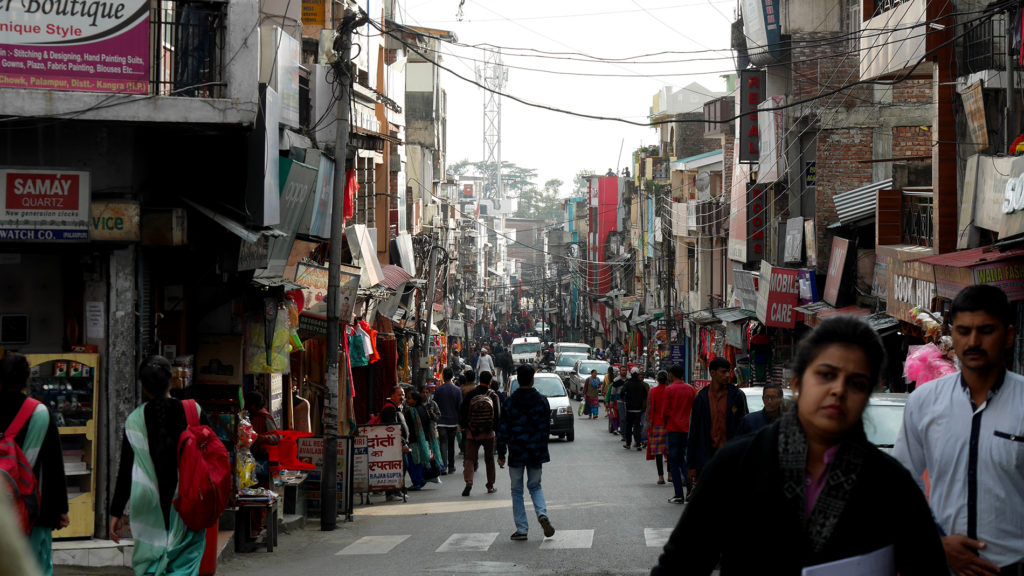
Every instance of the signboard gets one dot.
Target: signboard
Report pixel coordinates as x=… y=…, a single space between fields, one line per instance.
x=977 y=128
x=219 y=360
x=745 y=289
x=761 y=29
x=297 y=183
x=752 y=90
x=1007 y=275
x=384 y=448
x=811 y=244
x=778 y=295
x=350 y=276
x=810 y=174
x=114 y=221
x=836 y=266
x=771 y=167
x=677 y=354
x=698 y=384
x=794 y=239
x=280 y=57
x=314 y=278
x=276 y=396
x=311 y=451
x=756 y=222
x=82 y=46
x=910 y=283
x=44 y=206
x=313 y=13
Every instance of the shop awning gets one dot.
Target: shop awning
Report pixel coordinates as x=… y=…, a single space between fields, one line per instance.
x=859 y=204
x=277 y=282
x=882 y=323
x=736 y=315
x=250 y=235
x=972 y=257
x=393 y=277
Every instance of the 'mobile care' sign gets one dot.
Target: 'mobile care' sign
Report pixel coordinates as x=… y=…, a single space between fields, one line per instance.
x=44 y=206
x=78 y=45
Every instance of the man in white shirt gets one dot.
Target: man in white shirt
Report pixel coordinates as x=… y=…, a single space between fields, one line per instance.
x=485 y=362
x=967 y=431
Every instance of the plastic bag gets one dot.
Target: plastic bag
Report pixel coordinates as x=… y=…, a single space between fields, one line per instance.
x=926 y=363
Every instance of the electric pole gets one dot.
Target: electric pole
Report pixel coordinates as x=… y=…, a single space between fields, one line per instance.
x=328 y=478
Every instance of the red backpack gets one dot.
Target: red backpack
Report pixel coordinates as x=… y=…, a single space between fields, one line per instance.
x=204 y=473
x=15 y=474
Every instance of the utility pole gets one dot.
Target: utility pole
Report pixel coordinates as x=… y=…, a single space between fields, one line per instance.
x=420 y=373
x=328 y=483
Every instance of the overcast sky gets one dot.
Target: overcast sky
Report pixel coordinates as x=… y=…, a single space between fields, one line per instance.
x=558 y=145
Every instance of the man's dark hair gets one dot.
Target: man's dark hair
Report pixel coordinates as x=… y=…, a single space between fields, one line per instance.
x=772 y=386
x=983 y=298
x=662 y=377
x=14 y=372
x=845 y=330
x=718 y=363
x=155 y=375
x=485 y=378
x=447 y=373
x=470 y=376
x=254 y=401
x=677 y=371
x=524 y=374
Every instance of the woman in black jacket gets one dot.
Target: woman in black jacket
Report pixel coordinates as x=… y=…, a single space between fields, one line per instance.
x=809 y=489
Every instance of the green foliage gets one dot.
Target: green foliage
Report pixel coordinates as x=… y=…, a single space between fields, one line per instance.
x=543 y=204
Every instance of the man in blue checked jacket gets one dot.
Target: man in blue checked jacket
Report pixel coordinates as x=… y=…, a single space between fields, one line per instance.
x=523 y=432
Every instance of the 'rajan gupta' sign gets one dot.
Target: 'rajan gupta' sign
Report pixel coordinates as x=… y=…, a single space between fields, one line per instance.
x=79 y=45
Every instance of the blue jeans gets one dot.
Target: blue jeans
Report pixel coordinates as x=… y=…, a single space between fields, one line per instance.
x=536 y=494
x=677 y=461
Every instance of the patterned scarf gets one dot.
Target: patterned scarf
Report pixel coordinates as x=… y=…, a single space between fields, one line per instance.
x=839 y=482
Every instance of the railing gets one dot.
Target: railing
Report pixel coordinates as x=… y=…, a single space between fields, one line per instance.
x=984 y=46
x=187 y=49
x=918 y=206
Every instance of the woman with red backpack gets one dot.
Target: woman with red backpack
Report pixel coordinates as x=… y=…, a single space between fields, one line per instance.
x=148 y=479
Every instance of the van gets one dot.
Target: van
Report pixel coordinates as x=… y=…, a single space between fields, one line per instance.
x=524 y=350
x=572 y=348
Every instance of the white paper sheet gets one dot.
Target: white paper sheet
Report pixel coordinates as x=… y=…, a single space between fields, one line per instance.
x=881 y=562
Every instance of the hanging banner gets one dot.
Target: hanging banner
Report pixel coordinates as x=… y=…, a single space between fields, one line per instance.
x=79 y=45
x=752 y=90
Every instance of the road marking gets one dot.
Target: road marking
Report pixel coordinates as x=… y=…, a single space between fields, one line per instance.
x=478 y=542
x=421 y=508
x=373 y=545
x=564 y=539
x=657 y=537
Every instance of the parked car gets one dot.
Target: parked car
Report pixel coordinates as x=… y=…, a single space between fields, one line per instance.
x=883 y=418
x=566 y=363
x=558 y=399
x=580 y=373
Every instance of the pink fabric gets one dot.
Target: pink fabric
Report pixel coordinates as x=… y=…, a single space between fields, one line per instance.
x=814 y=487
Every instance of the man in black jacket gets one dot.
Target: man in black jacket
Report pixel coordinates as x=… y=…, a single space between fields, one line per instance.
x=47 y=464
x=391 y=413
x=634 y=396
x=524 y=430
x=715 y=419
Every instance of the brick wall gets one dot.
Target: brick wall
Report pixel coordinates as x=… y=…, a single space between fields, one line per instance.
x=839 y=170
x=911 y=141
x=689 y=136
x=913 y=92
x=820 y=66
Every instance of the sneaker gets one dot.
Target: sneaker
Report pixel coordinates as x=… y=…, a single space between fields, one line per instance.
x=626 y=446
x=517 y=536
x=491 y=490
x=676 y=500
x=639 y=448
x=549 y=530
x=435 y=480
x=451 y=469
x=465 y=491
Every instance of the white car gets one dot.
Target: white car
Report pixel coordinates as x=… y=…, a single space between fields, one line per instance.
x=580 y=373
x=558 y=400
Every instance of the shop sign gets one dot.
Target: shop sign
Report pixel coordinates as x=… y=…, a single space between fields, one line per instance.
x=745 y=289
x=314 y=278
x=756 y=222
x=384 y=447
x=810 y=174
x=1007 y=275
x=81 y=46
x=297 y=183
x=698 y=384
x=794 y=239
x=44 y=206
x=909 y=282
x=312 y=326
x=253 y=255
x=114 y=221
x=311 y=451
x=770 y=120
x=977 y=129
x=752 y=90
x=836 y=266
x=778 y=296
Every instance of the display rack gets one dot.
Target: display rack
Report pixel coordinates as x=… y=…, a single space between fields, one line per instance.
x=67 y=384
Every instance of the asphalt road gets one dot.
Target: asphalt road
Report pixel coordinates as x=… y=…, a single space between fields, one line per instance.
x=609 y=514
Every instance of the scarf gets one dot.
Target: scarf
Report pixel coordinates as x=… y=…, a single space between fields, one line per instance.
x=157 y=551
x=841 y=477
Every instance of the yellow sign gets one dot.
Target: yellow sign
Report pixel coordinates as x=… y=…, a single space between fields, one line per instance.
x=313 y=13
x=114 y=221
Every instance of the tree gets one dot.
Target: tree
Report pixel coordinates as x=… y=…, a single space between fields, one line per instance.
x=579 y=182
x=543 y=204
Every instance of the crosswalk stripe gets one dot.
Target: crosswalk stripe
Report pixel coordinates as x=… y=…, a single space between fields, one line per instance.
x=564 y=539
x=657 y=537
x=477 y=542
x=373 y=545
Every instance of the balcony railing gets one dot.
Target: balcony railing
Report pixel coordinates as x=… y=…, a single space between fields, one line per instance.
x=916 y=219
x=187 y=49
x=984 y=46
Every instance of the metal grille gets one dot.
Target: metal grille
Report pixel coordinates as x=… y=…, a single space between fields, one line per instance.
x=187 y=49
x=917 y=218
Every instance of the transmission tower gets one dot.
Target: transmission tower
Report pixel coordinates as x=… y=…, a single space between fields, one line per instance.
x=493 y=75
